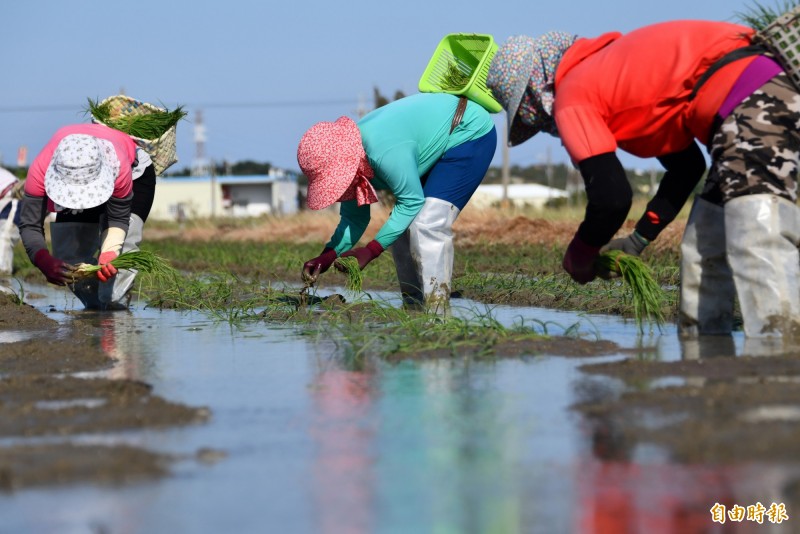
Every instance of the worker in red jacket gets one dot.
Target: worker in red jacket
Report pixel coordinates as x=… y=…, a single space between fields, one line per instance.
x=656 y=92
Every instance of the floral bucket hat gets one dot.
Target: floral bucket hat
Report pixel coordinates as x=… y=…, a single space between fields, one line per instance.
x=82 y=172
x=522 y=78
x=332 y=156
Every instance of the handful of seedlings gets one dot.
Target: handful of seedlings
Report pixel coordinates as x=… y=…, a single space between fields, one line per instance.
x=648 y=296
x=142 y=260
x=355 y=278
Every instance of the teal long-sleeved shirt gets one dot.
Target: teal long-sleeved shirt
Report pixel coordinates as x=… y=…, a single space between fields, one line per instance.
x=403 y=140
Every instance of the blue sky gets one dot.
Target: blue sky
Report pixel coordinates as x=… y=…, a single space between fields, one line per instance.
x=262 y=72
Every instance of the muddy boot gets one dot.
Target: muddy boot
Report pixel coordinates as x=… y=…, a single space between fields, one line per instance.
x=115 y=294
x=431 y=240
x=75 y=242
x=407 y=272
x=707 y=290
x=763 y=232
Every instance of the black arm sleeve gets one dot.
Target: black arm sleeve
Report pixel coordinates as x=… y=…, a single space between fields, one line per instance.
x=32 y=212
x=684 y=171
x=118 y=211
x=144 y=191
x=609 y=194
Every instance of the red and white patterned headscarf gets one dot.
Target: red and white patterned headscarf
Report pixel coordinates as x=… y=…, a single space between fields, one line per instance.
x=332 y=156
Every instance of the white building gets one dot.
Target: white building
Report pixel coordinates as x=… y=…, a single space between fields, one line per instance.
x=520 y=195
x=183 y=197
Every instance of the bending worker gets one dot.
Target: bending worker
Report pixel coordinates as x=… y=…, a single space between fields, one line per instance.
x=10 y=191
x=100 y=186
x=431 y=151
x=653 y=92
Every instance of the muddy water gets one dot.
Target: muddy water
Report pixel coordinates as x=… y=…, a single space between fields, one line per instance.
x=297 y=442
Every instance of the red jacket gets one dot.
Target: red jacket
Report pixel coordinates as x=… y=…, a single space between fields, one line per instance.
x=631 y=91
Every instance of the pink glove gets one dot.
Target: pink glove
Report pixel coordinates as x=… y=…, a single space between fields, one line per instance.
x=579 y=260
x=55 y=270
x=107 y=271
x=364 y=255
x=316 y=266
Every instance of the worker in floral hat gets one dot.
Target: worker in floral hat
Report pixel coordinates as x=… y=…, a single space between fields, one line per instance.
x=100 y=186
x=431 y=151
x=653 y=93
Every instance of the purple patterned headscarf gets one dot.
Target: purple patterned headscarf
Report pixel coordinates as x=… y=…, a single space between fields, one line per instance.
x=522 y=79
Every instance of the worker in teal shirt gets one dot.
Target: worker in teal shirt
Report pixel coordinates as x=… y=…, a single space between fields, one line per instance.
x=431 y=150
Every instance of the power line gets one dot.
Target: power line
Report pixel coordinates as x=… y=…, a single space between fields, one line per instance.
x=206 y=105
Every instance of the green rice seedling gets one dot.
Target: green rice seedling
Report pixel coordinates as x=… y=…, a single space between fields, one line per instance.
x=647 y=295
x=355 y=278
x=453 y=79
x=146 y=126
x=759 y=16
x=143 y=261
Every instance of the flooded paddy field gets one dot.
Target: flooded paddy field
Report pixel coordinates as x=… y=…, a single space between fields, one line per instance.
x=167 y=420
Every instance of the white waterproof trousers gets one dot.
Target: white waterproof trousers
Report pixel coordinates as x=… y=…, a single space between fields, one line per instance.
x=748 y=248
x=424 y=254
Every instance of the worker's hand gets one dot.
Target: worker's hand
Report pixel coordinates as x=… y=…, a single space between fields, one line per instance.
x=579 y=260
x=364 y=255
x=633 y=244
x=107 y=271
x=316 y=266
x=55 y=270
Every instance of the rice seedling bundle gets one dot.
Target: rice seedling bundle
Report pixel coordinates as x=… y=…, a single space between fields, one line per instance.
x=759 y=16
x=454 y=79
x=355 y=278
x=647 y=295
x=141 y=260
x=151 y=125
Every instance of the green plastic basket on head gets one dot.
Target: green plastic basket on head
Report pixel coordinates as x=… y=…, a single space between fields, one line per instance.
x=459 y=66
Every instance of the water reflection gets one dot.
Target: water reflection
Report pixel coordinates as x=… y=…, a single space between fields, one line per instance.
x=341 y=428
x=433 y=446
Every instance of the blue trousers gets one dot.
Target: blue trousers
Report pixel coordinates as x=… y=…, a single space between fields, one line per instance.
x=456 y=176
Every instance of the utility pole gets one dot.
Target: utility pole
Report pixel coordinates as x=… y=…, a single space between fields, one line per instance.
x=200 y=164
x=213 y=175
x=361 y=109
x=549 y=170
x=653 y=173
x=505 y=174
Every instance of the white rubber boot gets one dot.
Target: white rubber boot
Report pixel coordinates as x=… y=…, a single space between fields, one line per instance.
x=707 y=289
x=763 y=232
x=76 y=242
x=431 y=240
x=407 y=272
x=115 y=294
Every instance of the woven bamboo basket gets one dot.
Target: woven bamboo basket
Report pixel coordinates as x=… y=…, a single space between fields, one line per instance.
x=782 y=37
x=162 y=150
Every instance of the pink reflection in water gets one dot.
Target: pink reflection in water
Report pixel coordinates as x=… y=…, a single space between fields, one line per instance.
x=343 y=470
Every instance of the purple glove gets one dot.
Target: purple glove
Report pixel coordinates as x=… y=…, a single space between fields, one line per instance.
x=579 y=260
x=55 y=270
x=364 y=255
x=316 y=266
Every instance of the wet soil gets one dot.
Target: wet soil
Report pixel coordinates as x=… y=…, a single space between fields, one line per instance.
x=65 y=463
x=514 y=348
x=711 y=410
x=40 y=397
